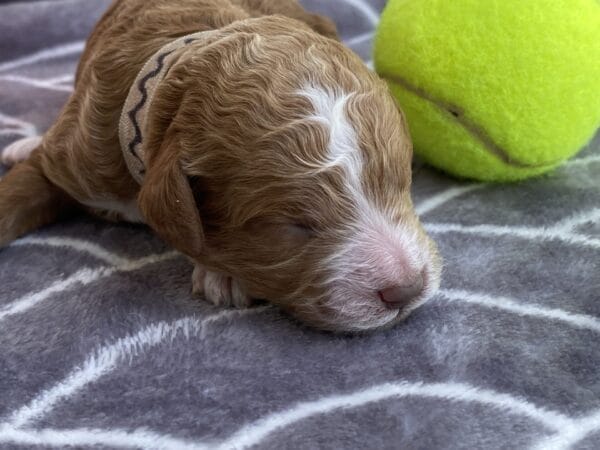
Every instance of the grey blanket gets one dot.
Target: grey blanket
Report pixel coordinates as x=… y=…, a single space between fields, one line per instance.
x=102 y=345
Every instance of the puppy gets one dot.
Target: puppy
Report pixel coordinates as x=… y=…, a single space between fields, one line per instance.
x=248 y=138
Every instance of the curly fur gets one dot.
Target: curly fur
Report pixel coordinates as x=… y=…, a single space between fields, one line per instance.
x=275 y=160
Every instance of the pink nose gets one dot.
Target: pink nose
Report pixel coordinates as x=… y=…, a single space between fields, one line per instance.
x=397 y=297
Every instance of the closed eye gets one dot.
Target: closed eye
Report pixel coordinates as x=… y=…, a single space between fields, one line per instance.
x=282 y=229
x=301 y=230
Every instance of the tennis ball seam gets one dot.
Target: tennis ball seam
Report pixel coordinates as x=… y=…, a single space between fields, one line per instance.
x=456 y=114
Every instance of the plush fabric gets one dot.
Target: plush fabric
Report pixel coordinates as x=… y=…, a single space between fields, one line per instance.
x=494 y=90
x=102 y=345
x=139 y=99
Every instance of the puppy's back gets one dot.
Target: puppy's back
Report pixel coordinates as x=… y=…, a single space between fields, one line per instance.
x=129 y=33
x=132 y=30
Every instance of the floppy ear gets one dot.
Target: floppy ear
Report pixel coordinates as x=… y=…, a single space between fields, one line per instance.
x=167 y=202
x=322 y=25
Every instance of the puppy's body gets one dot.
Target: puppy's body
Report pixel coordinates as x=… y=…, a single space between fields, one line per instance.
x=81 y=153
x=273 y=159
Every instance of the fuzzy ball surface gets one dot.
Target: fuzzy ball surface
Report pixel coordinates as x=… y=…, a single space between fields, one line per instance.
x=494 y=90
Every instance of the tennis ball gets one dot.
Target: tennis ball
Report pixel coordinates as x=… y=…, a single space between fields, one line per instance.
x=494 y=90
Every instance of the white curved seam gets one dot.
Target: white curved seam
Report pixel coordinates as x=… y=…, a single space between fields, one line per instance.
x=359 y=39
x=80 y=245
x=257 y=431
x=81 y=277
x=520 y=232
x=36 y=83
x=105 y=359
x=446 y=195
x=61 y=79
x=366 y=10
x=58 y=51
x=16 y=132
x=582 y=161
x=28 y=301
x=138 y=438
x=570 y=435
x=16 y=126
x=568 y=225
x=508 y=304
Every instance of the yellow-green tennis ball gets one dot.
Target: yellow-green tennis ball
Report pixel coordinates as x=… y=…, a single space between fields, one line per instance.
x=494 y=89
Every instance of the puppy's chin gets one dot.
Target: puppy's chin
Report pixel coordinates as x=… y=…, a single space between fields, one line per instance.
x=349 y=303
x=354 y=316
x=347 y=313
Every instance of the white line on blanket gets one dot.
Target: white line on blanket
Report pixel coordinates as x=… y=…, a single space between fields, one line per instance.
x=15 y=132
x=81 y=277
x=76 y=244
x=105 y=359
x=113 y=438
x=519 y=232
x=16 y=126
x=61 y=79
x=578 y=430
x=35 y=82
x=359 y=39
x=582 y=161
x=508 y=304
x=367 y=10
x=59 y=51
x=253 y=433
x=444 y=196
x=451 y=193
x=568 y=225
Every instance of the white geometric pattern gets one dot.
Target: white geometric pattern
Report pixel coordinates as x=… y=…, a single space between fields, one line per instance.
x=80 y=278
x=567 y=430
x=53 y=84
x=18 y=426
x=13 y=126
x=60 y=51
x=562 y=231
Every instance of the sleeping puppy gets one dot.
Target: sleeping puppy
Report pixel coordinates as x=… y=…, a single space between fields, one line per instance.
x=247 y=137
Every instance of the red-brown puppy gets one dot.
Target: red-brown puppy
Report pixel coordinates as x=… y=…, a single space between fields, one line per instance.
x=251 y=140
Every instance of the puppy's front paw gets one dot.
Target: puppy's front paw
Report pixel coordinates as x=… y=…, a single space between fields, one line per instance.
x=19 y=150
x=221 y=290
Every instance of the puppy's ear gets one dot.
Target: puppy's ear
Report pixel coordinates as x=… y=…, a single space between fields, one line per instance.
x=167 y=202
x=323 y=25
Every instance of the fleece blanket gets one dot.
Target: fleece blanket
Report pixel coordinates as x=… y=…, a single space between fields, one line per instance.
x=102 y=345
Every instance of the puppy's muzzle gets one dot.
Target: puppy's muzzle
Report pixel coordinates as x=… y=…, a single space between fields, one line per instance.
x=399 y=296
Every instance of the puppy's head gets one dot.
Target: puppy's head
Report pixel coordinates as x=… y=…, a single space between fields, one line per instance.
x=276 y=157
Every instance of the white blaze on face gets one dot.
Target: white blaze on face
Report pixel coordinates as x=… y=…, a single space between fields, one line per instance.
x=379 y=252
x=343 y=149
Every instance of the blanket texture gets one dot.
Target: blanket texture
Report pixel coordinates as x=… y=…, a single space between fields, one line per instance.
x=102 y=345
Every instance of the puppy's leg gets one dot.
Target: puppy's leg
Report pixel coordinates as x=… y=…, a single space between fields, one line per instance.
x=220 y=289
x=19 y=150
x=28 y=199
